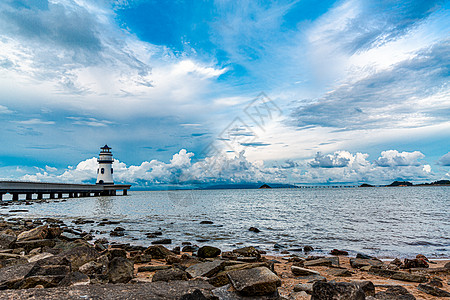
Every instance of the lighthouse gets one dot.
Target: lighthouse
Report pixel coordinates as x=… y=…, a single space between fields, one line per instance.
x=105 y=169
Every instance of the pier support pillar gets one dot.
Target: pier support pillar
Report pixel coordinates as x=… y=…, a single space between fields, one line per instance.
x=15 y=196
x=60 y=195
x=52 y=196
x=39 y=196
x=125 y=192
x=29 y=196
x=1 y=196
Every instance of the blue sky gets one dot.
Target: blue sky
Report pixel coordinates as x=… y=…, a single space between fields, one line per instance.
x=206 y=92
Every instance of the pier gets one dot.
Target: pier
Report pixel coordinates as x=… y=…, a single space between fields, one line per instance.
x=57 y=190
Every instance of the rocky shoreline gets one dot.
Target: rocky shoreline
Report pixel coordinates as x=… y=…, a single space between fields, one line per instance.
x=47 y=259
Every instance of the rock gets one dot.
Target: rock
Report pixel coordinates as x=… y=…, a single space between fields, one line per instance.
x=207 y=222
x=337 y=291
x=254 y=229
x=255 y=281
x=12 y=274
x=431 y=290
x=7 y=240
x=306 y=287
x=248 y=252
x=338 y=252
x=189 y=248
x=162 y=242
x=221 y=278
x=40 y=256
x=307 y=249
x=396 y=262
x=299 y=271
x=12 y=262
x=141 y=258
x=339 y=272
x=33 y=281
x=228 y=293
x=158 y=252
x=414 y=263
x=120 y=270
x=195 y=295
x=403 y=276
x=363 y=256
x=80 y=255
x=318 y=262
x=367 y=286
x=153 y=268
x=436 y=282
x=91 y=268
x=208 y=252
x=117 y=233
x=358 y=263
x=38 y=233
x=117 y=253
x=447 y=265
x=206 y=269
x=176 y=250
x=170 y=274
x=54 y=232
x=394 y=293
x=31 y=244
x=74 y=278
x=49 y=270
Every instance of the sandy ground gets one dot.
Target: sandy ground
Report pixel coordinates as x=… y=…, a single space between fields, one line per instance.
x=283 y=269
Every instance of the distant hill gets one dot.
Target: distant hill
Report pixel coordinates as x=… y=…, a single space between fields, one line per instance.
x=401 y=183
x=265 y=186
x=247 y=186
x=366 y=185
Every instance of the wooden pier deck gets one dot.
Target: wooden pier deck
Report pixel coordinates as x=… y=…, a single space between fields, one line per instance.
x=56 y=190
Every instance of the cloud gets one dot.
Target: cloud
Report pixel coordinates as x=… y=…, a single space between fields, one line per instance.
x=93 y=122
x=337 y=160
x=393 y=158
x=183 y=170
x=4 y=110
x=444 y=160
x=409 y=94
x=35 y=122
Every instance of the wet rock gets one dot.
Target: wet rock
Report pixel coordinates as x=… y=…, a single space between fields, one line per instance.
x=170 y=274
x=307 y=249
x=338 y=252
x=208 y=252
x=173 y=259
x=38 y=233
x=431 y=290
x=158 y=252
x=162 y=242
x=120 y=270
x=177 y=250
x=117 y=253
x=206 y=222
x=358 y=263
x=254 y=229
x=299 y=271
x=247 y=252
x=396 y=262
x=141 y=258
x=395 y=293
x=117 y=233
x=189 y=248
x=337 y=291
x=363 y=256
x=7 y=240
x=153 y=268
x=255 y=281
x=206 y=269
x=74 y=278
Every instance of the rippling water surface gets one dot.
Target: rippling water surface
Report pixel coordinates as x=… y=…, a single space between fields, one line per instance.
x=387 y=222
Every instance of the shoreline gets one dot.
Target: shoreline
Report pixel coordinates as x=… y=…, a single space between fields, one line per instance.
x=47 y=257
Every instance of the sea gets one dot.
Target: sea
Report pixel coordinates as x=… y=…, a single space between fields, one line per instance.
x=381 y=221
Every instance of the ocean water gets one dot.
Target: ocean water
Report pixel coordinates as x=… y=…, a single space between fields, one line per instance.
x=385 y=222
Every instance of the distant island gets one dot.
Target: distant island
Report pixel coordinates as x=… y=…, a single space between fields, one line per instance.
x=407 y=183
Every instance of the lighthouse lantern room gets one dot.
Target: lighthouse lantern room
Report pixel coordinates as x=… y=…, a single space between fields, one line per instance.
x=105 y=169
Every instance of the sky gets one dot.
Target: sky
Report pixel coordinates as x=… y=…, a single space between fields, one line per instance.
x=192 y=93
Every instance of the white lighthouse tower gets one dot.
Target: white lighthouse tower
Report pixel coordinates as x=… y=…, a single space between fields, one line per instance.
x=105 y=170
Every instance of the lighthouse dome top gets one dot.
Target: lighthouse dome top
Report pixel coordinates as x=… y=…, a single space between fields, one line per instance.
x=106 y=148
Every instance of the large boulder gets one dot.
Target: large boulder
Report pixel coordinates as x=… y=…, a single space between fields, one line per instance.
x=74 y=278
x=38 y=233
x=337 y=291
x=431 y=290
x=80 y=255
x=120 y=270
x=255 y=281
x=10 y=275
x=158 y=252
x=247 y=252
x=208 y=252
x=358 y=263
x=298 y=271
x=32 y=244
x=395 y=293
x=403 y=276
